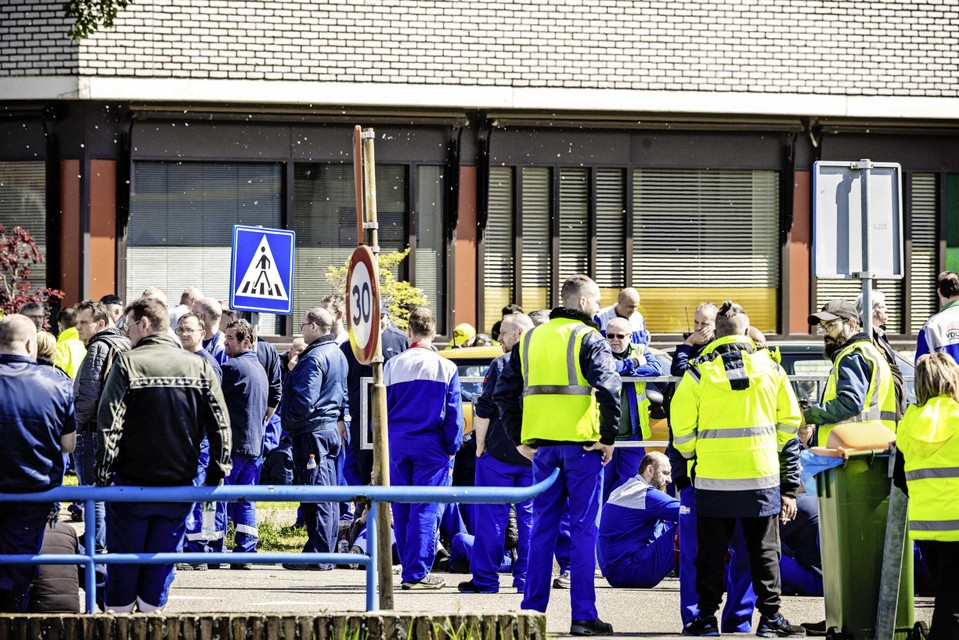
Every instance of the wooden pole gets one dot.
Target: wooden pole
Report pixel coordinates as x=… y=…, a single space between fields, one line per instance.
x=381 y=445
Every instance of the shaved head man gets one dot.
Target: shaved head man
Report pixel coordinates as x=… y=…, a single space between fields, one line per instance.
x=627 y=309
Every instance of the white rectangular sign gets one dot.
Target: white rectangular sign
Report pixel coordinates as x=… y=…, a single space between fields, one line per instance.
x=837 y=219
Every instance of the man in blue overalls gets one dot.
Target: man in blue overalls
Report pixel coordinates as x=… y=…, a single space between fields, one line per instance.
x=559 y=398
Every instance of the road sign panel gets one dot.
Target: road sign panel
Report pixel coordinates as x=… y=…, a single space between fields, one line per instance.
x=838 y=219
x=261 y=270
x=363 y=304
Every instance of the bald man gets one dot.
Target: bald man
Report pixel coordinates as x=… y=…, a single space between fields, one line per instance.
x=626 y=307
x=37 y=426
x=637 y=528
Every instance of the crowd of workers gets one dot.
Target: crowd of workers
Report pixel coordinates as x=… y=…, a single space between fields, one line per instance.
x=151 y=395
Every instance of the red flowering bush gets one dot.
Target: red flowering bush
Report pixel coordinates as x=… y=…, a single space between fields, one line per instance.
x=19 y=254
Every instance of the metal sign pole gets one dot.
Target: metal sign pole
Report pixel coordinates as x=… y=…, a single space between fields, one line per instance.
x=865 y=167
x=381 y=447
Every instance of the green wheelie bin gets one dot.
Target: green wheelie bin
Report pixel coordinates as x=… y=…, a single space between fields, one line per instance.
x=853 y=506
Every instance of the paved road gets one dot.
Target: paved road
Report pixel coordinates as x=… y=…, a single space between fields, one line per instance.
x=270 y=589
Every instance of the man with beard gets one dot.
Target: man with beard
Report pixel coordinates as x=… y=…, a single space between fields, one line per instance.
x=860 y=388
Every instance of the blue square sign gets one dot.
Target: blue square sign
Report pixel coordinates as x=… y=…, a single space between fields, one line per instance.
x=261 y=270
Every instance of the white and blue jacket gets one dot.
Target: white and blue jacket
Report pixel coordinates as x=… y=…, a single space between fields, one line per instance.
x=423 y=401
x=941 y=333
x=636 y=323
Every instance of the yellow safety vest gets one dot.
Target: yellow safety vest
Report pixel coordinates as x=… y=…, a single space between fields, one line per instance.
x=880 y=395
x=734 y=422
x=641 y=405
x=928 y=438
x=558 y=402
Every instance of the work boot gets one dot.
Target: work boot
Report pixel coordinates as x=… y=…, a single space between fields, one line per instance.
x=778 y=627
x=702 y=626
x=590 y=628
x=471 y=587
x=429 y=581
x=561 y=581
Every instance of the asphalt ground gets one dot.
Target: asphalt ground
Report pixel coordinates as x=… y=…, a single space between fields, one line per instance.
x=648 y=613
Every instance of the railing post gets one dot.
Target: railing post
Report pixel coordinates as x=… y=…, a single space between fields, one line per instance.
x=89 y=541
x=372 y=588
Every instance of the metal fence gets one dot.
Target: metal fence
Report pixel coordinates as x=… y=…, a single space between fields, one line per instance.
x=371 y=495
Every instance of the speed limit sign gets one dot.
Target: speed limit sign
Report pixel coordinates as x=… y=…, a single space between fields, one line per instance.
x=363 y=304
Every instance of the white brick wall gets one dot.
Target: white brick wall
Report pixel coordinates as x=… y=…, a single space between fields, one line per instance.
x=869 y=48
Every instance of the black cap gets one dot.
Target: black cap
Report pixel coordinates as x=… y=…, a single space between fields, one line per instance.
x=111 y=298
x=835 y=309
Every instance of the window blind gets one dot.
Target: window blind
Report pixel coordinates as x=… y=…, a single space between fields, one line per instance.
x=430 y=241
x=573 y=222
x=498 y=246
x=923 y=265
x=23 y=203
x=610 y=229
x=535 y=216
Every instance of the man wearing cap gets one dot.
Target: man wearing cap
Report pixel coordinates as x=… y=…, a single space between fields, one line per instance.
x=860 y=388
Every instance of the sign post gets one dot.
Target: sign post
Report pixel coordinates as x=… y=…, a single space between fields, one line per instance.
x=363 y=318
x=857 y=233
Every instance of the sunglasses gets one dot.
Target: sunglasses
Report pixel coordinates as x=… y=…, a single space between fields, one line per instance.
x=617 y=336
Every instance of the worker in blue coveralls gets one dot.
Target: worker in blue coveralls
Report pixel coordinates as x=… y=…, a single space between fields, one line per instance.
x=637 y=530
x=737 y=612
x=559 y=399
x=423 y=400
x=245 y=390
x=37 y=427
x=312 y=408
x=158 y=402
x=499 y=464
x=801 y=563
x=190 y=332
x=632 y=360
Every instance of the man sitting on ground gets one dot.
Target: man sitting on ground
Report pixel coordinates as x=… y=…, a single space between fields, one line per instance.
x=638 y=527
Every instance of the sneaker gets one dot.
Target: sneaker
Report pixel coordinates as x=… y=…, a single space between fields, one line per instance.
x=590 y=628
x=778 y=627
x=701 y=626
x=245 y=566
x=185 y=566
x=471 y=587
x=561 y=581
x=429 y=581
x=814 y=628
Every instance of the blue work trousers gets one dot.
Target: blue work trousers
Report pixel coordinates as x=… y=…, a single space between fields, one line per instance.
x=647 y=567
x=798 y=579
x=416 y=524
x=142 y=527
x=463 y=552
x=581 y=483
x=623 y=466
x=85 y=457
x=737 y=614
x=321 y=518
x=564 y=545
x=197 y=542
x=21 y=531
x=492 y=520
x=246 y=471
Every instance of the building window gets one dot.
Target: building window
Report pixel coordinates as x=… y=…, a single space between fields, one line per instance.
x=610 y=234
x=534 y=228
x=182 y=214
x=923 y=264
x=23 y=202
x=952 y=222
x=429 y=257
x=703 y=235
x=498 y=246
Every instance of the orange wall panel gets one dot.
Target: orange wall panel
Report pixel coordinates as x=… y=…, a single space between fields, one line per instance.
x=464 y=285
x=70 y=266
x=800 y=255
x=103 y=227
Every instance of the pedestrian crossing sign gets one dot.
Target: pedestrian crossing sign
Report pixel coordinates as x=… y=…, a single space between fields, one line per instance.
x=261 y=270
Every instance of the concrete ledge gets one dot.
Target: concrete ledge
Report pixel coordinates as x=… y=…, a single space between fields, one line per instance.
x=354 y=626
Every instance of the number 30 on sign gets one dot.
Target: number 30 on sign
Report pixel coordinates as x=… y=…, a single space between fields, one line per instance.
x=363 y=304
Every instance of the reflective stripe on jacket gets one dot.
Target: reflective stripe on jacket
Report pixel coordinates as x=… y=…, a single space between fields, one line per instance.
x=558 y=403
x=733 y=413
x=928 y=439
x=880 y=402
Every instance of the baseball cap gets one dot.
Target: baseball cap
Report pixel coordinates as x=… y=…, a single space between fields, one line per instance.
x=111 y=298
x=835 y=309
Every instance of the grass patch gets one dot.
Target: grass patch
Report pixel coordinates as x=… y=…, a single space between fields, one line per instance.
x=70 y=481
x=274 y=536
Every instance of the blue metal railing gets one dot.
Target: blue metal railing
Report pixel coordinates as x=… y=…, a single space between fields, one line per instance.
x=258 y=493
